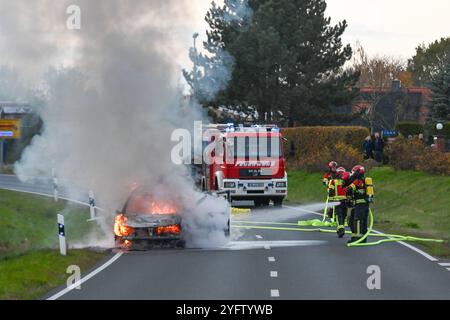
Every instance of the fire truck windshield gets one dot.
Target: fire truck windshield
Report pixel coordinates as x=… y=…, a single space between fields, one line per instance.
x=255 y=148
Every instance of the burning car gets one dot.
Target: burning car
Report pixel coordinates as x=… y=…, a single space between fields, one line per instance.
x=146 y=221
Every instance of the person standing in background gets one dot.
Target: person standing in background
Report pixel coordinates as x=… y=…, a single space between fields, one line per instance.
x=378 y=148
x=368 y=148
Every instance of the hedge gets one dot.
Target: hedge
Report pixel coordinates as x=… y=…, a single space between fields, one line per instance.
x=309 y=139
x=407 y=129
x=413 y=154
x=312 y=148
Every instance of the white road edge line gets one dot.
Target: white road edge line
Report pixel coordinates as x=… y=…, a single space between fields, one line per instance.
x=271 y=259
x=423 y=253
x=445 y=264
x=274 y=274
x=86 y=278
x=275 y=293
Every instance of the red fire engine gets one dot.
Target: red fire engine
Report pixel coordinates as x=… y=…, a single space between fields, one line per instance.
x=247 y=162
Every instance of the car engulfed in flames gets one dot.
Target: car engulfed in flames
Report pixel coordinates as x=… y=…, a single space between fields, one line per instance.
x=147 y=222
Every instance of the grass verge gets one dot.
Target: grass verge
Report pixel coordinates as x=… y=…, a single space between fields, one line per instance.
x=32 y=275
x=407 y=203
x=30 y=264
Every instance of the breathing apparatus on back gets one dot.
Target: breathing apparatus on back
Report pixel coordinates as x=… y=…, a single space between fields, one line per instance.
x=358 y=173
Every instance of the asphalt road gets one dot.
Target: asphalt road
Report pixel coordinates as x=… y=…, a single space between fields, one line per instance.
x=265 y=264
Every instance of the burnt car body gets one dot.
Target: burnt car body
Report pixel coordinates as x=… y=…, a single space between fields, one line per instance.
x=145 y=222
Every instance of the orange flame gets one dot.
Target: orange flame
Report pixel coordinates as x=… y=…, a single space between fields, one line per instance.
x=120 y=229
x=145 y=204
x=157 y=208
x=174 y=229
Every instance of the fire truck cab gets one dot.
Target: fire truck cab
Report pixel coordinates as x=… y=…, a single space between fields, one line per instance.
x=246 y=162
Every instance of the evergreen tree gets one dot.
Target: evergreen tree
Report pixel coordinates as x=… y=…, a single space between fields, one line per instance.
x=429 y=60
x=291 y=60
x=440 y=98
x=287 y=57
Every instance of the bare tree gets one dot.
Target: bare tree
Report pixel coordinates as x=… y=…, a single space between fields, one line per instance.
x=376 y=76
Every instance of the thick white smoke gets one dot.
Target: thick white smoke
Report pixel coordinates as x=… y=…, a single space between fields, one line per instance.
x=110 y=116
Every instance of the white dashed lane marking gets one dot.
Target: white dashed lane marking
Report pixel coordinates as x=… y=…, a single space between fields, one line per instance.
x=267 y=247
x=274 y=293
x=274 y=274
x=446 y=264
x=258 y=236
x=271 y=259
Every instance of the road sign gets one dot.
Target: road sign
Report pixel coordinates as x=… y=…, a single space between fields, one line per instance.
x=10 y=129
x=390 y=133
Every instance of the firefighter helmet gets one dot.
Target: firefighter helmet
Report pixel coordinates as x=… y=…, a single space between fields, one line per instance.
x=340 y=170
x=333 y=166
x=358 y=170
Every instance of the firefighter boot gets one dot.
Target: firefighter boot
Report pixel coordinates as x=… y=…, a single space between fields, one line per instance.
x=353 y=239
x=330 y=213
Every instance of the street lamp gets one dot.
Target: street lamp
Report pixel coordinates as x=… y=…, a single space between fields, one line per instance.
x=195 y=36
x=439 y=140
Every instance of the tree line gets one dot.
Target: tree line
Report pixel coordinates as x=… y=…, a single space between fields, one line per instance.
x=285 y=57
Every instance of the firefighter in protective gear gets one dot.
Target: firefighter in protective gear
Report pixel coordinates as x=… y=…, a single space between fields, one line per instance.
x=361 y=194
x=337 y=192
x=327 y=178
x=331 y=174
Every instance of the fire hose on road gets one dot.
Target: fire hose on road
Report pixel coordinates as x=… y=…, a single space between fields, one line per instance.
x=284 y=226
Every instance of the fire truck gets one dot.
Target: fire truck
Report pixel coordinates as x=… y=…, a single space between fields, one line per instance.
x=246 y=162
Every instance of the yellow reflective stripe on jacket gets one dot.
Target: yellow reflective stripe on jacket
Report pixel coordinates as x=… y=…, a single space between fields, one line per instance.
x=336 y=184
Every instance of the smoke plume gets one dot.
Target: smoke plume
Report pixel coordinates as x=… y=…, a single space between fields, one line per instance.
x=112 y=108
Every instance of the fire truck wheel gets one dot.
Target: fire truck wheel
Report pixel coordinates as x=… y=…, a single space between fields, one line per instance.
x=278 y=202
x=265 y=202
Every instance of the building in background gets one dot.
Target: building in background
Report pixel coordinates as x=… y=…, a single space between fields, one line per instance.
x=382 y=108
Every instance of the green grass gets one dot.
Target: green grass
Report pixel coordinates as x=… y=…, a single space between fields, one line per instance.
x=305 y=187
x=28 y=222
x=34 y=274
x=409 y=203
x=30 y=264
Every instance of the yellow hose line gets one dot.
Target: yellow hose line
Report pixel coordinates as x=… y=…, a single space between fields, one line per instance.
x=325 y=210
x=364 y=237
x=283 y=229
x=298 y=229
x=392 y=237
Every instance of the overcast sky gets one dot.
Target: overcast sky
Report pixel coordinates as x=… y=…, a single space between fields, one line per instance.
x=393 y=27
